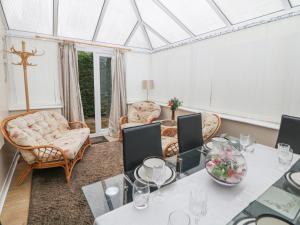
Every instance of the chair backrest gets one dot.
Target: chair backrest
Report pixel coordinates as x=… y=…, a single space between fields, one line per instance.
x=139 y=143
x=289 y=132
x=139 y=112
x=189 y=132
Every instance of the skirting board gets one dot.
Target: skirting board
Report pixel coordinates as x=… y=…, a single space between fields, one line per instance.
x=8 y=180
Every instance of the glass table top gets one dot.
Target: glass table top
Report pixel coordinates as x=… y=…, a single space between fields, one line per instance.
x=116 y=191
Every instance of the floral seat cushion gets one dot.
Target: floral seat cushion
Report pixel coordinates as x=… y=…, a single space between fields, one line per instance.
x=45 y=128
x=126 y=125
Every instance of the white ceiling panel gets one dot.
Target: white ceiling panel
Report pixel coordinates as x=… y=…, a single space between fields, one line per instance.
x=160 y=21
x=295 y=2
x=118 y=22
x=197 y=15
x=242 y=10
x=30 y=15
x=78 y=19
x=156 y=42
x=138 y=39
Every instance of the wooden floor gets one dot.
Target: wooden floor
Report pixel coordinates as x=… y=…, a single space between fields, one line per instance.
x=16 y=206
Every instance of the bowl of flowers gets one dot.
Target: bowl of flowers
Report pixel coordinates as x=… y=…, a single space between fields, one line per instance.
x=226 y=165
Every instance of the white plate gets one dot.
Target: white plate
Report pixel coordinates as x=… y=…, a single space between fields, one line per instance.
x=139 y=174
x=291 y=182
x=246 y=221
x=270 y=220
x=295 y=177
x=152 y=162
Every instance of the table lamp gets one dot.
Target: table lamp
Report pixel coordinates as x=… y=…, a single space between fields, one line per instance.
x=148 y=85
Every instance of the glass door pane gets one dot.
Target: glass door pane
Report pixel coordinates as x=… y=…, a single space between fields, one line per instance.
x=105 y=89
x=86 y=82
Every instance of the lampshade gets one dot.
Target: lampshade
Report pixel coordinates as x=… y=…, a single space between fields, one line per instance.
x=148 y=84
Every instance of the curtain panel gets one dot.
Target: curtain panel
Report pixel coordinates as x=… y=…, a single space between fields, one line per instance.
x=118 y=98
x=69 y=83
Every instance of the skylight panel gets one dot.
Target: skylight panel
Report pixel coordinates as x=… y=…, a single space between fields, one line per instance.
x=160 y=21
x=242 y=10
x=295 y=2
x=119 y=20
x=197 y=15
x=30 y=15
x=78 y=19
x=156 y=42
x=138 y=39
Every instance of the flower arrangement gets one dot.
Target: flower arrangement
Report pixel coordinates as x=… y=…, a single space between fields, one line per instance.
x=174 y=104
x=226 y=166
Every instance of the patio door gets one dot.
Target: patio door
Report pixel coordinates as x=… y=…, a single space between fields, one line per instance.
x=95 y=87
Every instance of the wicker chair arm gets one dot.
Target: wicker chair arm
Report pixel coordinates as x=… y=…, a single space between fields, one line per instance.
x=169 y=132
x=123 y=120
x=46 y=153
x=77 y=124
x=171 y=150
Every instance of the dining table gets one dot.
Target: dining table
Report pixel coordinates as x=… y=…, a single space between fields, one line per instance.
x=264 y=190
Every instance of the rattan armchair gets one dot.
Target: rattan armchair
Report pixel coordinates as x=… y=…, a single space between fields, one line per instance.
x=46 y=156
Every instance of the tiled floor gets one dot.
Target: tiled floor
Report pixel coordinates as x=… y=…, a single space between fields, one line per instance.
x=16 y=206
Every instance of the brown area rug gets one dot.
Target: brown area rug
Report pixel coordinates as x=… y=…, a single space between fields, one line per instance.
x=53 y=201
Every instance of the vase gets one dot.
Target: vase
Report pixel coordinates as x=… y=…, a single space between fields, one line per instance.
x=173 y=115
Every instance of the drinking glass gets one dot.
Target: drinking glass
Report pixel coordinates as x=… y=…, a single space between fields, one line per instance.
x=244 y=141
x=198 y=204
x=179 y=217
x=159 y=176
x=140 y=194
x=285 y=155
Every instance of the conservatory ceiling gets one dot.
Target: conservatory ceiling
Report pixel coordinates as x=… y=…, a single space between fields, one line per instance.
x=144 y=24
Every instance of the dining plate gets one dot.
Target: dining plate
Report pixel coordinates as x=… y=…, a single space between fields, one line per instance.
x=295 y=177
x=139 y=174
x=246 y=221
x=290 y=181
x=271 y=220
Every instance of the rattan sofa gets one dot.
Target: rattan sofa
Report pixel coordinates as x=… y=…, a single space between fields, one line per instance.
x=45 y=140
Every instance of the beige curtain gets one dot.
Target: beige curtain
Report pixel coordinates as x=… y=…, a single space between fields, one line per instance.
x=69 y=83
x=118 y=96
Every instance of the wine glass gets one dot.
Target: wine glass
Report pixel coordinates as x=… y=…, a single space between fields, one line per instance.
x=198 y=204
x=244 y=141
x=179 y=217
x=159 y=176
x=285 y=155
x=140 y=194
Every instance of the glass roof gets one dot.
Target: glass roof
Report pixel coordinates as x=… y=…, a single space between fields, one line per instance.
x=144 y=24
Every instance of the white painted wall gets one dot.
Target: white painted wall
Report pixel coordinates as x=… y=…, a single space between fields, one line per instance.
x=253 y=73
x=43 y=78
x=137 y=69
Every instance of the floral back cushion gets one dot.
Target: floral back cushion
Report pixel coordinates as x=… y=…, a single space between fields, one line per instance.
x=140 y=112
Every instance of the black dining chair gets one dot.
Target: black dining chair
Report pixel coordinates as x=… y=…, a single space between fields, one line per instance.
x=289 y=132
x=189 y=132
x=139 y=143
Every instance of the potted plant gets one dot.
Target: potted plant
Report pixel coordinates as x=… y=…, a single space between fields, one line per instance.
x=174 y=104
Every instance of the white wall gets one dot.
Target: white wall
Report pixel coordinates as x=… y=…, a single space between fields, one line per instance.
x=43 y=78
x=253 y=73
x=137 y=69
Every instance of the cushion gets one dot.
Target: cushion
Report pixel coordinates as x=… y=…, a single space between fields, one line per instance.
x=126 y=125
x=44 y=128
x=210 y=123
x=140 y=112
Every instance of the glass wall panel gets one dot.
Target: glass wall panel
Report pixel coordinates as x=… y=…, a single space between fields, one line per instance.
x=197 y=15
x=241 y=10
x=155 y=40
x=30 y=15
x=138 y=39
x=78 y=19
x=295 y=2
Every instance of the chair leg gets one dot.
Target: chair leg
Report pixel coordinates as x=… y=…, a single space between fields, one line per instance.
x=24 y=175
x=68 y=174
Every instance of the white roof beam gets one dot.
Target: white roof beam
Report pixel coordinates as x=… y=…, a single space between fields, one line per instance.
x=101 y=16
x=286 y=4
x=174 y=18
x=219 y=12
x=138 y=15
x=132 y=33
x=55 y=17
x=3 y=17
x=157 y=34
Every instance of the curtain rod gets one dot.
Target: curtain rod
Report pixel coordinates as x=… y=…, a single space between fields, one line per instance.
x=81 y=42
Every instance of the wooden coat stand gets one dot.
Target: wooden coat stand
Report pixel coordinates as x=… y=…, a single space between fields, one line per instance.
x=24 y=62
